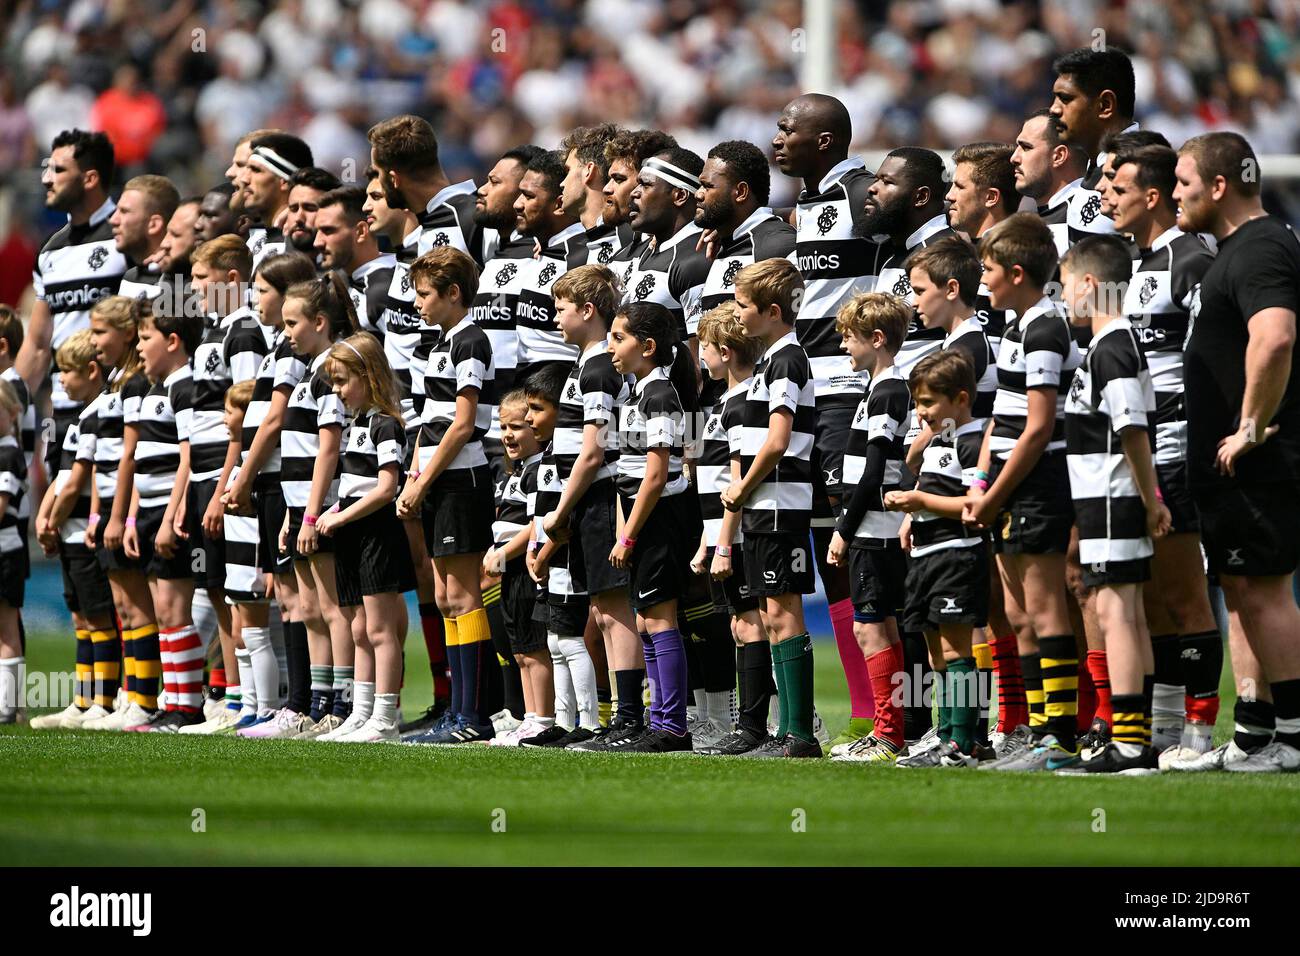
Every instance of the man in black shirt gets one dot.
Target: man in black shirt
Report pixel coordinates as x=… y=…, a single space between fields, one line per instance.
x=1243 y=441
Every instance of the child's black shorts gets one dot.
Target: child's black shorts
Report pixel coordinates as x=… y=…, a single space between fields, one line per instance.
x=209 y=573
x=1040 y=513
x=324 y=543
x=948 y=586
x=269 y=504
x=568 y=617
x=115 y=560
x=732 y=594
x=661 y=560
x=148 y=522
x=457 y=515
x=85 y=584
x=1097 y=575
x=594 y=533
x=13 y=577
x=778 y=563
x=877 y=582
x=371 y=557
x=518 y=601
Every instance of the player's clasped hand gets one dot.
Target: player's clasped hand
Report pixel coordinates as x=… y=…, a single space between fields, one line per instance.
x=837 y=555
x=620 y=556
x=907 y=501
x=1239 y=443
x=732 y=498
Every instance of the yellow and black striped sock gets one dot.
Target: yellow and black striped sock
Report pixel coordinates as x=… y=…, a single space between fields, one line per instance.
x=1060 y=669
x=1031 y=670
x=1148 y=699
x=148 y=665
x=85 y=690
x=107 y=666
x=1129 y=724
x=128 y=666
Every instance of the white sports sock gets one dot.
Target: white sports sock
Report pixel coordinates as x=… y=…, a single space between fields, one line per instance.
x=263 y=672
x=1168 y=705
x=545 y=722
x=699 y=709
x=583 y=674
x=247 y=685
x=718 y=708
x=565 y=708
x=1198 y=737
x=363 y=699
x=12 y=671
x=385 y=709
x=205 y=618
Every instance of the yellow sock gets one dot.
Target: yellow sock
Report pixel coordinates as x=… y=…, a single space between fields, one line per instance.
x=473 y=627
x=451 y=631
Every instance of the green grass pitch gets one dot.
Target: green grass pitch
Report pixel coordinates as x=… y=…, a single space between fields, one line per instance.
x=90 y=799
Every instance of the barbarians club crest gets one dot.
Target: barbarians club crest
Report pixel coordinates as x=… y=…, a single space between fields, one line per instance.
x=361 y=440
x=406 y=282
x=728 y=277
x=98 y=256
x=442 y=364
x=1091 y=209
x=826 y=219
x=645 y=286
x=1148 y=290
x=945 y=459
x=212 y=363
x=903 y=287
x=548 y=273
x=441 y=239
x=506 y=273
x=604 y=252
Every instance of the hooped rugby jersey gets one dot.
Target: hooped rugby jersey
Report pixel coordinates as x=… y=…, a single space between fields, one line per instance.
x=1038 y=351
x=948 y=467
x=540 y=339
x=888 y=274
x=671 y=274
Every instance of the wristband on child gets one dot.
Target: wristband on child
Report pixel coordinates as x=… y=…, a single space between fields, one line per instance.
x=982 y=475
x=1159 y=497
x=981 y=483
x=627 y=542
x=309 y=519
x=130 y=522
x=93 y=517
x=722 y=550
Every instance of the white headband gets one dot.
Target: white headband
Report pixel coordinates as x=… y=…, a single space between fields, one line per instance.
x=670 y=173
x=353 y=348
x=272 y=161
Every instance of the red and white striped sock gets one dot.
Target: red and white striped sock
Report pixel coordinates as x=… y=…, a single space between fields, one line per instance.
x=188 y=654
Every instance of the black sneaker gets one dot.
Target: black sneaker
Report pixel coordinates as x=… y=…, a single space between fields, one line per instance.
x=735 y=744
x=578 y=735
x=797 y=747
x=550 y=737
x=617 y=744
x=473 y=734
x=1110 y=760
x=171 y=721
x=658 y=742
x=1094 y=741
x=426 y=720
x=766 y=750
x=602 y=738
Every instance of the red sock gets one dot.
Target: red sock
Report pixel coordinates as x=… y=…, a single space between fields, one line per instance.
x=1013 y=708
x=1101 y=681
x=435 y=642
x=1087 y=699
x=217 y=681
x=1203 y=709
x=882 y=667
x=861 y=701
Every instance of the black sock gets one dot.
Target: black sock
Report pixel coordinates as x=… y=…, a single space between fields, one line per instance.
x=717 y=653
x=1148 y=705
x=1286 y=711
x=918 y=717
x=513 y=687
x=1167 y=649
x=299 y=663
x=1059 y=658
x=630 y=708
x=1201 y=663
x=495 y=691
x=1255 y=720
x=754 y=665
x=691 y=645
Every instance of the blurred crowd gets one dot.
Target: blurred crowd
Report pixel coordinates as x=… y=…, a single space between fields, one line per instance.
x=175 y=82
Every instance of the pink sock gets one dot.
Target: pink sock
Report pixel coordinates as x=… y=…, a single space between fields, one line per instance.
x=861 y=703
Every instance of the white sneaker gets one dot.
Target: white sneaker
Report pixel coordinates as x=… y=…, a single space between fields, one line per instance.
x=224 y=719
x=373 y=731
x=323 y=726
x=132 y=715
x=869 y=750
x=55 y=721
x=287 y=723
x=1176 y=754
x=924 y=744
x=76 y=721
x=1275 y=757
x=503 y=722
x=354 y=722
x=1220 y=758
x=212 y=706
x=707 y=733
x=511 y=737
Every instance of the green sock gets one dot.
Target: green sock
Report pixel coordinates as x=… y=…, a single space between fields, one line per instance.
x=963 y=701
x=794 y=657
x=943 y=698
x=782 y=698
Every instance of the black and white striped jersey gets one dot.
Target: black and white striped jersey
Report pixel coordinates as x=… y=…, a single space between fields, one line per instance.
x=13 y=482
x=1110 y=392
x=783 y=379
x=882 y=419
x=592 y=395
x=723 y=436
x=1037 y=351
x=280 y=368
x=832 y=254
x=368 y=287
x=265 y=241
x=512 y=492
x=763 y=235
x=603 y=243
x=371 y=442
x=312 y=406
x=969 y=336
x=948 y=467
x=117 y=408
x=27 y=420
x=158 y=452
x=73 y=530
x=461 y=360
x=77 y=266
x=1158 y=304
x=653 y=417
x=141 y=282
x=1074 y=213
x=498 y=297
x=407 y=340
x=448 y=220
x=229 y=353
x=540 y=339
x=993 y=320
x=888 y=274
x=671 y=274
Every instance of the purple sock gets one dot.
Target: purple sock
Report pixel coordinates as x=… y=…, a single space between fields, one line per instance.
x=670 y=660
x=652 y=675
